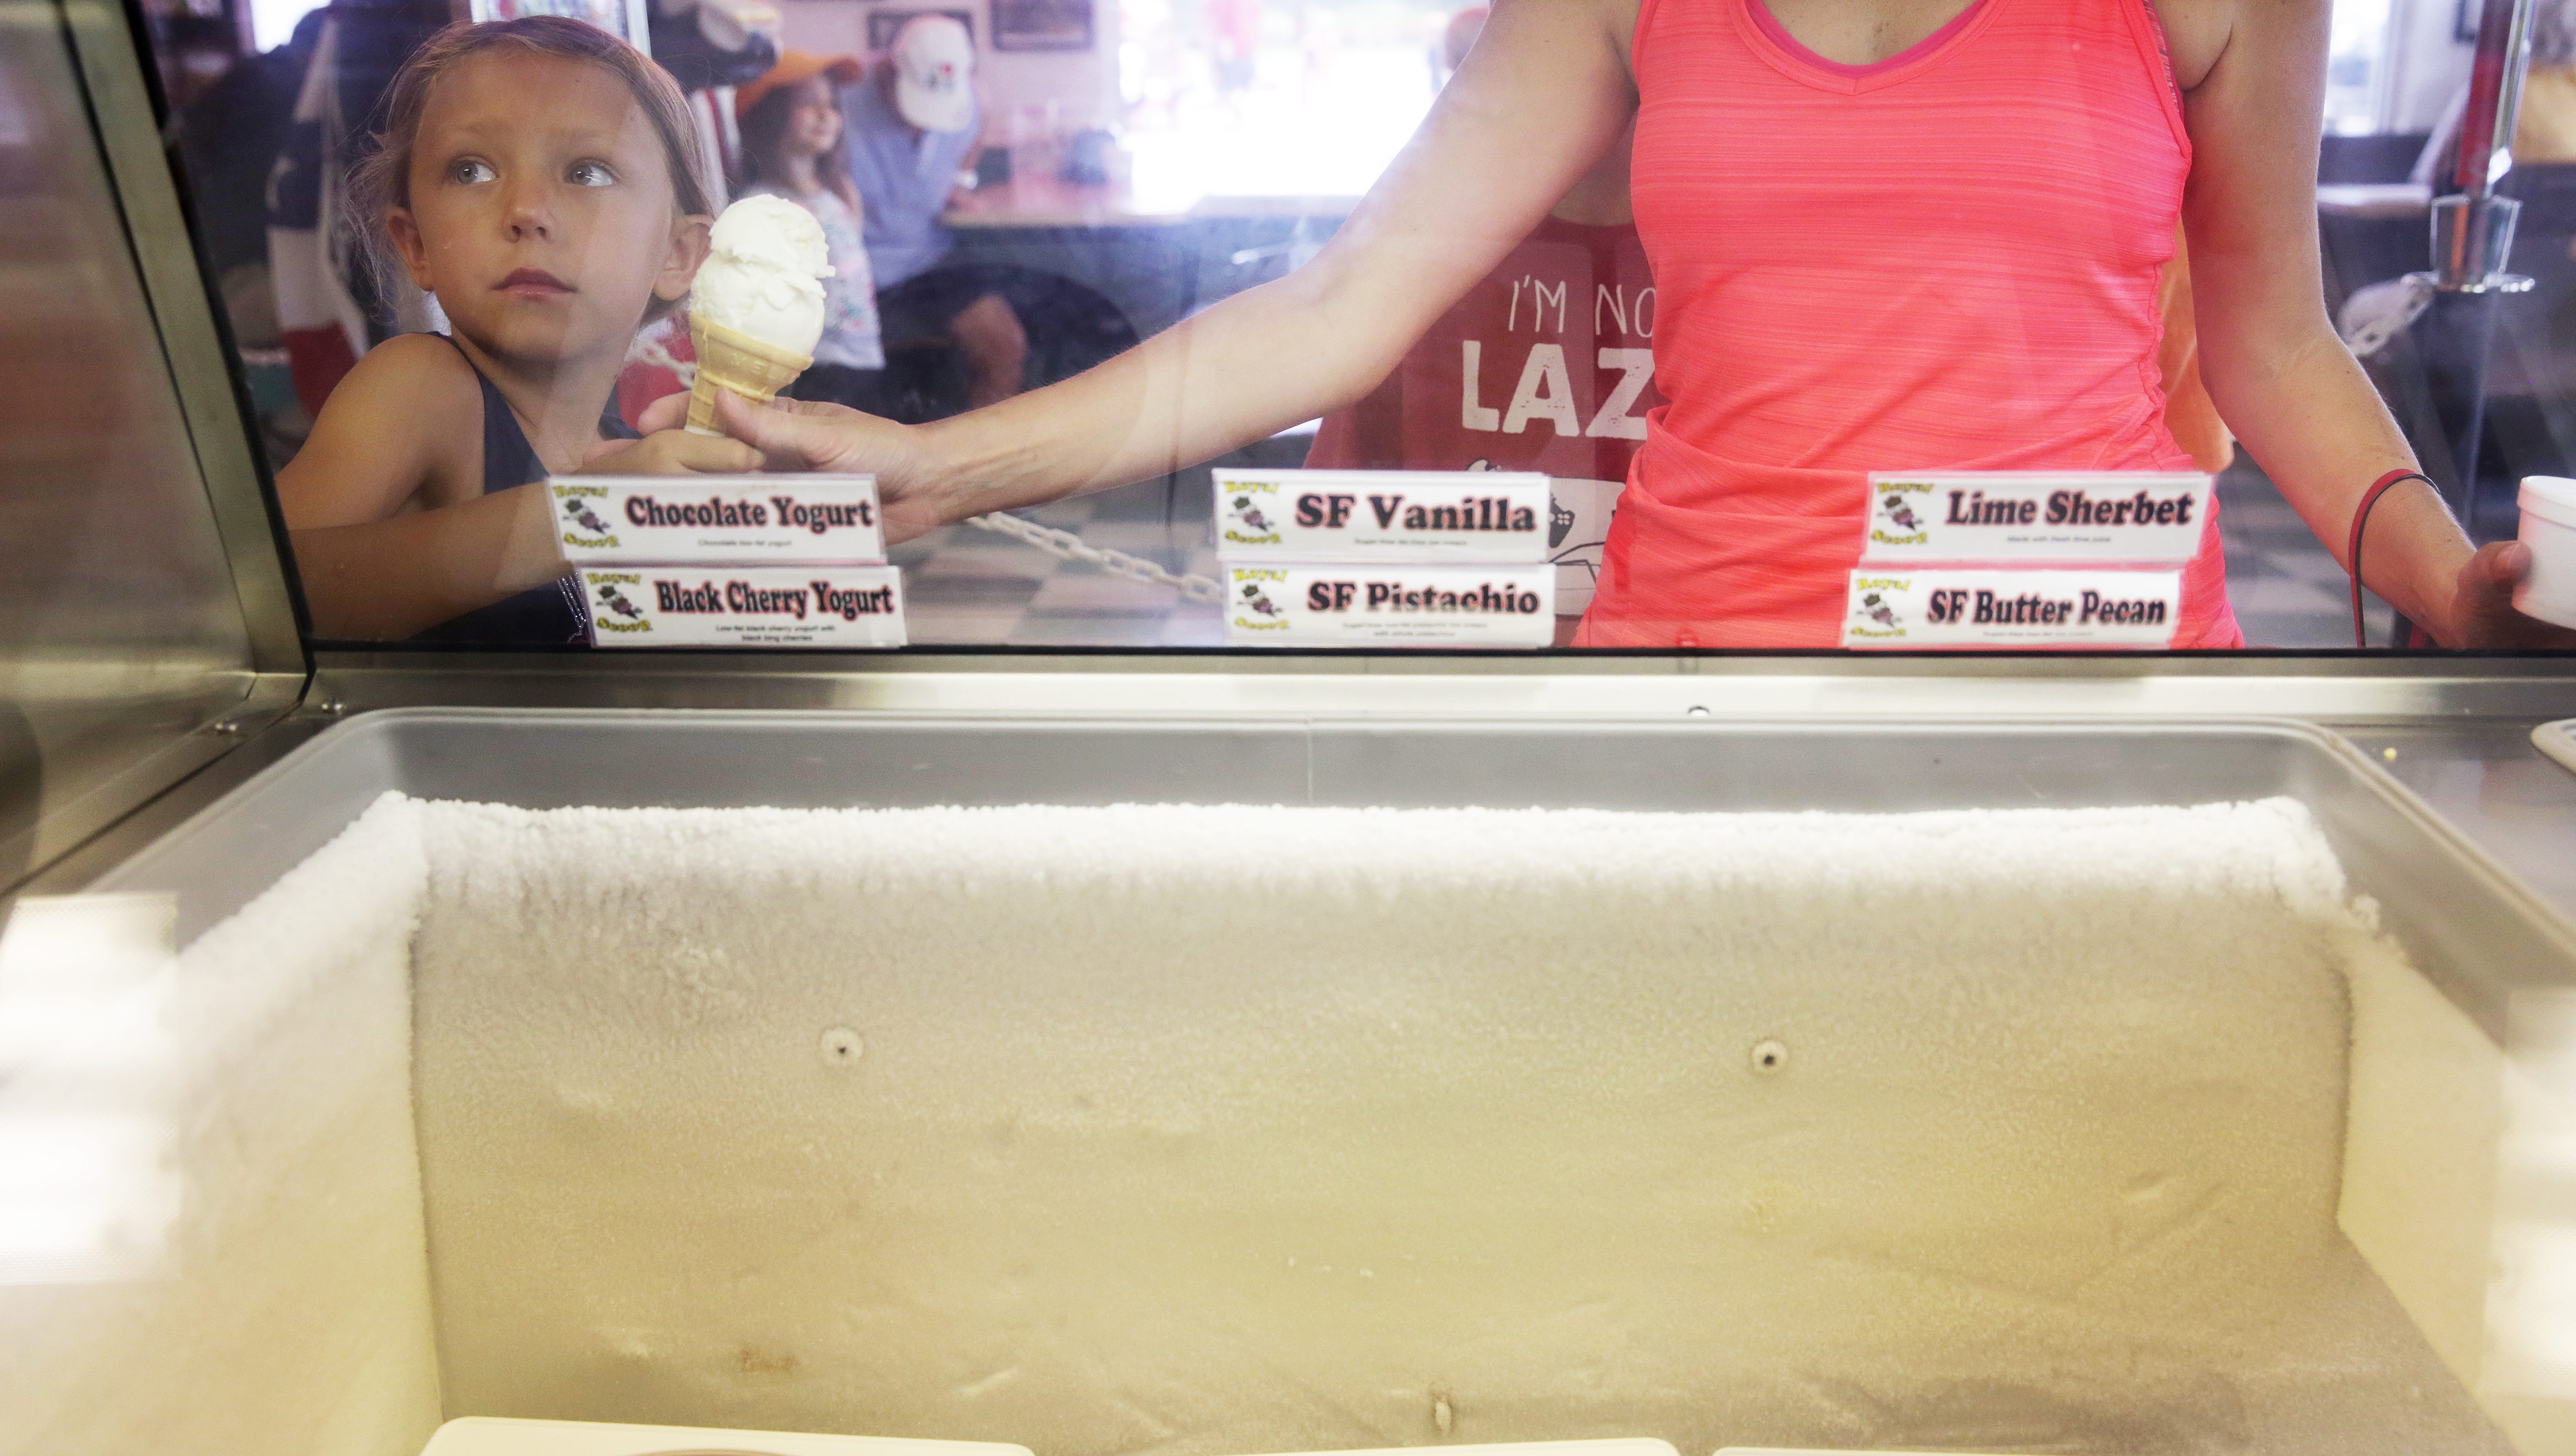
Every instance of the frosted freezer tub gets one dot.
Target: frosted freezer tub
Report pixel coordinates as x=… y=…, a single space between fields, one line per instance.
x=2189 y=1105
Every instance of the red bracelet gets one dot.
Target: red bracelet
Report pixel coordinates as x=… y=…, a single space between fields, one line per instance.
x=2361 y=517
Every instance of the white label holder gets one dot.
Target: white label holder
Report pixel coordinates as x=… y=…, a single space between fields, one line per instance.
x=2035 y=517
x=494 y=1436
x=1601 y=1446
x=1350 y=604
x=743 y=606
x=1987 y=607
x=752 y=519
x=1481 y=516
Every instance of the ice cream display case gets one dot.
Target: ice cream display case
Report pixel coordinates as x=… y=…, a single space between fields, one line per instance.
x=862 y=1053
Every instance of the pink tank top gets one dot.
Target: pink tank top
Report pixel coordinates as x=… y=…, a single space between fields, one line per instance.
x=1945 y=261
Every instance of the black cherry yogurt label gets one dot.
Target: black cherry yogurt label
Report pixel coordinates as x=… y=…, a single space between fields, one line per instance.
x=761 y=606
x=1501 y=517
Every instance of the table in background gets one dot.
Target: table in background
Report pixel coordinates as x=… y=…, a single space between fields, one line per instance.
x=1158 y=262
x=2370 y=231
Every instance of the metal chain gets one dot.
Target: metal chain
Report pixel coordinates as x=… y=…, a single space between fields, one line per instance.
x=1063 y=545
x=651 y=348
x=1066 y=546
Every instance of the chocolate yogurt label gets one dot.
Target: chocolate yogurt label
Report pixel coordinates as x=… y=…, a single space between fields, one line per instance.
x=717 y=518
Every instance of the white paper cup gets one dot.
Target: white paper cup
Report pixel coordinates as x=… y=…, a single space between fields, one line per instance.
x=2549 y=529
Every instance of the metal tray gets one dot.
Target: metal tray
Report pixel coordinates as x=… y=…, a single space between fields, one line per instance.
x=2470 y=926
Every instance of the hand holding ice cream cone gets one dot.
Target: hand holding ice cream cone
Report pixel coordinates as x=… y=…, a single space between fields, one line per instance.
x=756 y=307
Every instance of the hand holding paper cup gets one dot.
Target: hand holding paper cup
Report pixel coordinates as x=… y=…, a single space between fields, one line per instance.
x=756 y=307
x=2548 y=590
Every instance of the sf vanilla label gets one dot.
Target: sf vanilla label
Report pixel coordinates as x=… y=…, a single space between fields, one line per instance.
x=2036 y=517
x=718 y=518
x=1382 y=515
x=762 y=606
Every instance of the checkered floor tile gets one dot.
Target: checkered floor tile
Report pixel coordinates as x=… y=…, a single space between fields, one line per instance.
x=2284 y=584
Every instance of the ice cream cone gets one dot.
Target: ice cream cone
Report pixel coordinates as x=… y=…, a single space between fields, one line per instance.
x=731 y=359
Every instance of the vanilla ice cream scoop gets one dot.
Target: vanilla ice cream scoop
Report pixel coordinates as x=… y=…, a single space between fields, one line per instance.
x=756 y=308
x=763 y=275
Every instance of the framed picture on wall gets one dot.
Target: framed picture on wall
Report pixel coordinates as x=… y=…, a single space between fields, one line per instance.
x=624 y=19
x=882 y=24
x=1042 y=25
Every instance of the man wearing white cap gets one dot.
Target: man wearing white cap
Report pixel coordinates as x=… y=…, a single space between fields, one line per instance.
x=913 y=129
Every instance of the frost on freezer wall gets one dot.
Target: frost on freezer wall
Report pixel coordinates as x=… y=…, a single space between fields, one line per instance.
x=285 y=1305
x=2420 y=1145
x=1207 y=1130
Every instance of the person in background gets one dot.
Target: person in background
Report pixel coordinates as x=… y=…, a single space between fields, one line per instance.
x=794 y=146
x=1456 y=34
x=1234 y=44
x=913 y=124
x=328 y=310
x=1548 y=365
x=2545 y=131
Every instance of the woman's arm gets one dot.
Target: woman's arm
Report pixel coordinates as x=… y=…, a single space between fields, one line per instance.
x=2285 y=384
x=1542 y=94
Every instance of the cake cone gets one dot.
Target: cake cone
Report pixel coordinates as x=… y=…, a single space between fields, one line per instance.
x=730 y=359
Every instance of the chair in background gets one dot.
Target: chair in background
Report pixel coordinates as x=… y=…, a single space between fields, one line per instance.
x=2381 y=157
x=1070 y=328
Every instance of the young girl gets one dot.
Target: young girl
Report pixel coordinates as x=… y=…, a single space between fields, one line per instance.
x=541 y=177
x=792 y=140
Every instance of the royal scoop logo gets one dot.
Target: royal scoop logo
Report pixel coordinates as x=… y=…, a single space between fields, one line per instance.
x=1897 y=522
x=611 y=605
x=1249 y=524
x=1874 y=614
x=1255 y=599
x=578 y=516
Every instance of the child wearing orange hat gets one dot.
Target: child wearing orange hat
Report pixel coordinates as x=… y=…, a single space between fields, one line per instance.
x=792 y=147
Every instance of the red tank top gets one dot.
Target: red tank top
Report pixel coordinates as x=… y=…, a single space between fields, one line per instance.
x=1945 y=261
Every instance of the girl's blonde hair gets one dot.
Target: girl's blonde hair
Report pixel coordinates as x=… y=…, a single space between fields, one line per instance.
x=381 y=181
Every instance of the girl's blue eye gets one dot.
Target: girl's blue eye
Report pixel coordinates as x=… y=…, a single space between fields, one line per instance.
x=468 y=172
x=590 y=174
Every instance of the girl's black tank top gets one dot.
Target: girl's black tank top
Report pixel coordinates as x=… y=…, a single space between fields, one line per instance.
x=546 y=616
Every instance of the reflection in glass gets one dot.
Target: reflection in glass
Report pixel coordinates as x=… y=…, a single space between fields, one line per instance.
x=1721 y=336
x=119 y=629
x=87 y=1187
